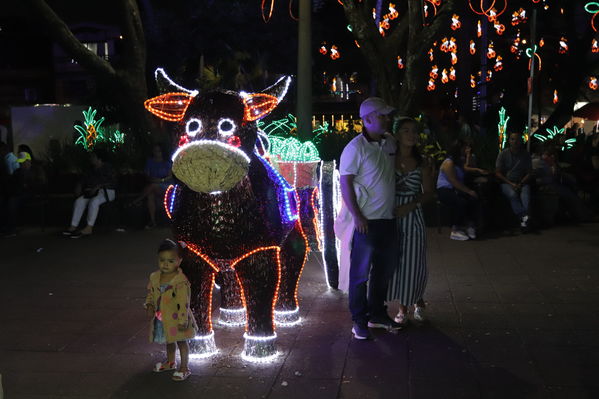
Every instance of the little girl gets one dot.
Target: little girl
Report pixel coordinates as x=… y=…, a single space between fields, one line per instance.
x=167 y=304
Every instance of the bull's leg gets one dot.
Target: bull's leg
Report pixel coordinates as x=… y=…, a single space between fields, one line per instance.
x=232 y=311
x=201 y=276
x=258 y=276
x=294 y=253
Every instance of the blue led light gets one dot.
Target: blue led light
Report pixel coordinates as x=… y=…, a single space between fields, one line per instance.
x=285 y=190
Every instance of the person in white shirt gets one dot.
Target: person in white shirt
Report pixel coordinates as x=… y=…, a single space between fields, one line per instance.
x=368 y=191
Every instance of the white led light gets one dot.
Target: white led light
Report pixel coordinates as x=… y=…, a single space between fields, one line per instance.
x=255 y=359
x=254 y=338
x=204 y=142
x=238 y=310
x=289 y=323
x=193 y=127
x=204 y=337
x=228 y=132
x=287 y=311
x=160 y=73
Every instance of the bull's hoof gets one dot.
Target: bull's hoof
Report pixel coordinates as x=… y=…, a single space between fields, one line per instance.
x=202 y=346
x=259 y=349
x=286 y=318
x=232 y=317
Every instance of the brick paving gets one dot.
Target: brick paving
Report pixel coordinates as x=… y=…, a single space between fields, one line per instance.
x=510 y=317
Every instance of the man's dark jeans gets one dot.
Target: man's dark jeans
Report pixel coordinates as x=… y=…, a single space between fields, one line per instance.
x=373 y=257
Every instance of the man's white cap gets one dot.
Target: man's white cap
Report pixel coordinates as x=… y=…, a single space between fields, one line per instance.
x=377 y=104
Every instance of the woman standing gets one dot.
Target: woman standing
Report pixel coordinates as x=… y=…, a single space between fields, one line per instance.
x=414 y=185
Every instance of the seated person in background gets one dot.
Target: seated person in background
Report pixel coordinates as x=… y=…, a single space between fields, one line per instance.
x=9 y=159
x=550 y=178
x=16 y=188
x=159 y=177
x=97 y=187
x=470 y=163
x=514 y=170
x=453 y=193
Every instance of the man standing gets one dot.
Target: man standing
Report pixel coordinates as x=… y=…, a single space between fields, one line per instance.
x=368 y=191
x=514 y=170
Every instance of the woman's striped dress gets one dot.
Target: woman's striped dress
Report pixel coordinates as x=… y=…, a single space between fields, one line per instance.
x=410 y=276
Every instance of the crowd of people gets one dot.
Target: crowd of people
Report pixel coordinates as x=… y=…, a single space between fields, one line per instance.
x=384 y=182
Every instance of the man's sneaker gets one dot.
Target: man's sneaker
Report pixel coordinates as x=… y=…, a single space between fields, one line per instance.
x=524 y=221
x=458 y=235
x=360 y=331
x=471 y=233
x=384 y=322
x=419 y=314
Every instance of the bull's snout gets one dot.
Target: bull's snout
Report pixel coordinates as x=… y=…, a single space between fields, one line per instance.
x=207 y=166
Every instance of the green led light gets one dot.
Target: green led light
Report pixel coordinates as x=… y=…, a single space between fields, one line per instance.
x=91 y=132
x=283 y=145
x=502 y=127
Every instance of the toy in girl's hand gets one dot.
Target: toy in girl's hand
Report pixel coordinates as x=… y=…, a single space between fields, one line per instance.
x=167 y=305
x=234 y=211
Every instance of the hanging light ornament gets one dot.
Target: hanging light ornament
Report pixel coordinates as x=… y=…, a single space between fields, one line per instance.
x=498 y=64
x=430 y=55
x=431 y=85
x=515 y=46
x=400 y=64
x=454 y=58
x=472 y=47
x=563 y=45
x=593 y=85
x=335 y=53
x=592 y=7
x=434 y=73
x=472 y=81
x=491 y=51
x=519 y=16
x=452 y=75
x=444 y=77
x=595 y=46
x=489 y=76
x=323 y=49
x=392 y=12
x=479 y=29
x=455 y=22
x=499 y=27
x=555 y=97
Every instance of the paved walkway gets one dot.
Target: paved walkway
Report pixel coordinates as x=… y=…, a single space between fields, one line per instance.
x=511 y=317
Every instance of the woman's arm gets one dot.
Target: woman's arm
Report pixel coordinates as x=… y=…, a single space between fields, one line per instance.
x=448 y=167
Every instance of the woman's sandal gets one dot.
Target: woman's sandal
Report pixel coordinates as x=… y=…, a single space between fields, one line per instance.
x=181 y=375
x=166 y=366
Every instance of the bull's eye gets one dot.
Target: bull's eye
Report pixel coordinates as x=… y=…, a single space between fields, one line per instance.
x=226 y=127
x=193 y=127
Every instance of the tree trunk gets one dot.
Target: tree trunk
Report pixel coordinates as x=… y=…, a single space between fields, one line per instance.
x=129 y=80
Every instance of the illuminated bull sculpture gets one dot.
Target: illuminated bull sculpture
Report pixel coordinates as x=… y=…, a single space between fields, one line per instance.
x=238 y=216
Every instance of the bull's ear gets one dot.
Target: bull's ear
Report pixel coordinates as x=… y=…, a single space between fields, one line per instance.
x=258 y=105
x=169 y=106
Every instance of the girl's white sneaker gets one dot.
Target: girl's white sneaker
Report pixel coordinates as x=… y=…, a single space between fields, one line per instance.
x=458 y=236
x=419 y=314
x=401 y=318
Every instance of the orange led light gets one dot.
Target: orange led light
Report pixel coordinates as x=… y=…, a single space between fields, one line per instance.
x=196 y=251
x=258 y=105
x=316 y=218
x=431 y=85
x=595 y=46
x=472 y=47
x=167 y=194
x=472 y=81
x=555 y=97
x=169 y=106
x=593 y=85
x=444 y=77
x=455 y=22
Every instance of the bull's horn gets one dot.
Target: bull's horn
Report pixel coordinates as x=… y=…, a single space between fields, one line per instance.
x=258 y=105
x=166 y=84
